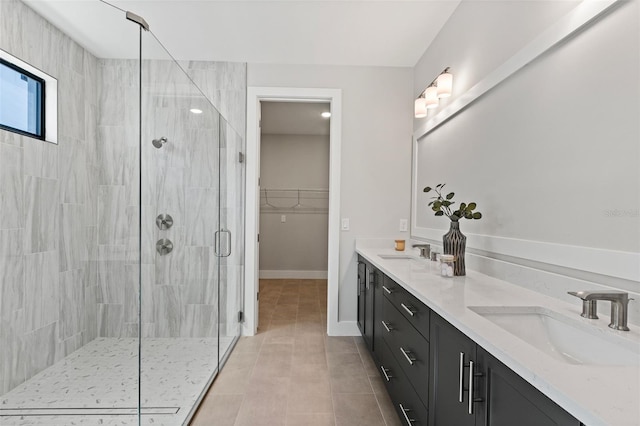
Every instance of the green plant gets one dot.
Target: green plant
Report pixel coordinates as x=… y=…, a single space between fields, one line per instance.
x=442 y=205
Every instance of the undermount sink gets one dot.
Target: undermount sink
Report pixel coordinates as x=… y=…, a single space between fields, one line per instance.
x=562 y=338
x=395 y=256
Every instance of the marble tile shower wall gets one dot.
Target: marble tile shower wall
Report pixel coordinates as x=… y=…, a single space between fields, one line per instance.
x=118 y=253
x=225 y=84
x=69 y=234
x=179 y=290
x=48 y=233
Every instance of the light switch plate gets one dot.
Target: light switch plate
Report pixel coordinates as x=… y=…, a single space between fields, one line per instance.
x=404 y=225
x=283 y=218
x=345 y=224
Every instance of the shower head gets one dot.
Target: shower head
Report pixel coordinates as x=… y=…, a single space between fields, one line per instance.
x=159 y=142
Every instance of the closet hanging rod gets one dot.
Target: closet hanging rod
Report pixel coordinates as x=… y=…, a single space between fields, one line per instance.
x=295 y=189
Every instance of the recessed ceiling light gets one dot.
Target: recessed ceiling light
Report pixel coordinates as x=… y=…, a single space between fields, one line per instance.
x=326 y=114
x=196 y=110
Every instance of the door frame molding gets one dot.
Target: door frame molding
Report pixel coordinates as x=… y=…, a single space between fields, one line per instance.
x=291 y=94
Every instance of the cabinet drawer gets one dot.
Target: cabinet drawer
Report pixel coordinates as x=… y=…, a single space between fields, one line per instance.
x=410 y=409
x=411 y=308
x=410 y=348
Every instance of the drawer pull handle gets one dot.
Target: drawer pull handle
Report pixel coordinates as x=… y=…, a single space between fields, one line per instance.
x=472 y=375
x=409 y=309
x=461 y=379
x=387 y=327
x=471 y=387
x=406 y=417
x=407 y=355
x=387 y=290
x=385 y=372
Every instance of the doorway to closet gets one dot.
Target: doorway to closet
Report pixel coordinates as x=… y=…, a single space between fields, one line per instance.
x=294 y=192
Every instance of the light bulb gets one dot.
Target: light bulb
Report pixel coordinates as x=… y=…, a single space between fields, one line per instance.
x=431 y=96
x=420 y=108
x=445 y=84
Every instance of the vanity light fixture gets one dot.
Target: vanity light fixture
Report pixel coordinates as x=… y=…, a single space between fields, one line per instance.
x=420 y=107
x=444 y=82
x=326 y=114
x=440 y=87
x=431 y=96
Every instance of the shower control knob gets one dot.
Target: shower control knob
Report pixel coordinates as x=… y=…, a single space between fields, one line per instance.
x=164 y=222
x=164 y=246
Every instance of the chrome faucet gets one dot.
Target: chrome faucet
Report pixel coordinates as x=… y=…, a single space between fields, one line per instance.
x=424 y=249
x=619 y=306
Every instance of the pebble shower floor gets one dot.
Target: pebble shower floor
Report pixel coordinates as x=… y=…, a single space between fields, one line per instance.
x=98 y=384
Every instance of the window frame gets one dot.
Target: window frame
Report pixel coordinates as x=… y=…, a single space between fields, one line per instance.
x=42 y=110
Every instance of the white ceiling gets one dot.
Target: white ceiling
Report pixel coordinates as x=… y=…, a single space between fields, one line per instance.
x=327 y=32
x=294 y=118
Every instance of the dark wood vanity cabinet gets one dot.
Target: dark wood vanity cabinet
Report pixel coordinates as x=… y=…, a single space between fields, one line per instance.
x=426 y=364
x=470 y=387
x=451 y=352
x=365 y=301
x=369 y=283
x=399 y=350
x=404 y=352
x=362 y=273
x=510 y=400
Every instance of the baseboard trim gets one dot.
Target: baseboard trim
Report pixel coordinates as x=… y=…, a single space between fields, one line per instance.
x=292 y=275
x=344 y=328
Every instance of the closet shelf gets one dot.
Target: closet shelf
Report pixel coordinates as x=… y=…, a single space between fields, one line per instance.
x=294 y=200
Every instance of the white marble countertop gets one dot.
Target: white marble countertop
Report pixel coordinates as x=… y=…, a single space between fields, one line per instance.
x=594 y=394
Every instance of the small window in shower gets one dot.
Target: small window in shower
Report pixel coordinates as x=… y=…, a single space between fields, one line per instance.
x=25 y=107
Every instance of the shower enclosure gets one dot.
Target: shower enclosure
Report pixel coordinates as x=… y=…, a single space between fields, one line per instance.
x=122 y=255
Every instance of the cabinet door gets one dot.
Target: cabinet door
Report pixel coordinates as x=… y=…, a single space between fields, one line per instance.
x=378 y=297
x=511 y=400
x=368 y=309
x=362 y=273
x=449 y=379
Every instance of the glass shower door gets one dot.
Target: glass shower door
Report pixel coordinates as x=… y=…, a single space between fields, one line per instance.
x=180 y=284
x=232 y=229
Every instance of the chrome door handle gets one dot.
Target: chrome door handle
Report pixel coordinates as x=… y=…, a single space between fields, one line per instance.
x=461 y=378
x=216 y=244
x=406 y=417
x=384 y=372
x=472 y=375
x=386 y=289
x=386 y=326
x=410 y=310
x=407 y=355
x=226 y=231
x=370 y=280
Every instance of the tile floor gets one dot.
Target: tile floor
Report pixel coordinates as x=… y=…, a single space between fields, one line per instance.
x=291 y=373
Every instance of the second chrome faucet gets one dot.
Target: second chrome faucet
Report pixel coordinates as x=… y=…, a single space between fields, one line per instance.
x=619 y=306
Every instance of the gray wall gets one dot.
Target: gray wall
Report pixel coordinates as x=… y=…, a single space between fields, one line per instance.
x=300 y=243
x=375 y=183
x=553 y=150
x=47 y=198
